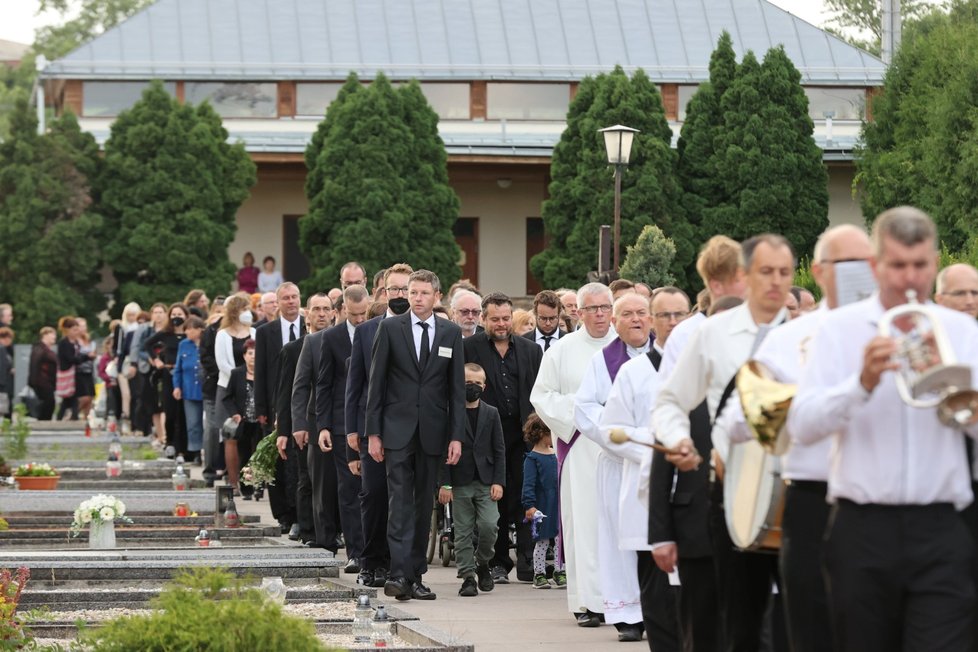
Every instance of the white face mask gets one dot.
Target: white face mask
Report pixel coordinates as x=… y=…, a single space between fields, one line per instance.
x=854 y=281
x=246 y=318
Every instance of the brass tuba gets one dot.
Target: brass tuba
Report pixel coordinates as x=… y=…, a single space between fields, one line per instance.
x=928 y=367
x=765 y=402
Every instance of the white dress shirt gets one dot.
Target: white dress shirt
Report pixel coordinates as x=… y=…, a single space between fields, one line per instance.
x=286 y=326
x=883 y=450
x=416 y=331
x=677 y=342
x=351 y=329
x=538 y=337
x=714 y=353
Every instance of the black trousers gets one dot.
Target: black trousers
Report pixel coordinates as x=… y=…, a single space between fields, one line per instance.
x=373 y=511
x=511 y=508
x=659 y=613
x=176 y=421
x=970 y=516
x=322 y=475
x=699 y=612
x=45 y=404
x=411 y=479
x=282 y=494
x=299 y=460
x=806 y=516
x=347 y=499
x=899 y=577
x=743 y=586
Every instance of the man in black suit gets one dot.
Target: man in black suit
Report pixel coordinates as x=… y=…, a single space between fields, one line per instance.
x=417 y=361
x=375 y=559
x=312 y=472
x=269 y=339
x=343 y=495
x=283 y=496
x=546 y=313
x=511 y=364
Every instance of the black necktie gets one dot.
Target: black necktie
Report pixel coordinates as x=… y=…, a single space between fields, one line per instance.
x=546 y=341
x=423 y=356
x=292 y=332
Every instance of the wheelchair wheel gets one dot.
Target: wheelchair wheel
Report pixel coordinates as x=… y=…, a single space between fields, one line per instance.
x=446 y=551
x=433 y=534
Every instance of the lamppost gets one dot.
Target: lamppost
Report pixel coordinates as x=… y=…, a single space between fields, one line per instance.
x=618 y=144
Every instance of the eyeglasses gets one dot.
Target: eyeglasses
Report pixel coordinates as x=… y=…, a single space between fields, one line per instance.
x=391 y=291
x=547 y=319
x=670 y=315
x=843 y=260
x=957 y=294
x=604 y=307
x=475 y=312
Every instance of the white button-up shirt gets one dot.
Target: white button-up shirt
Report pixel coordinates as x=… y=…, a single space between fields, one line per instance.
x=714 y=353
x=884 y=451
x=351 y=329
x=416 y=331
x=285 y=328
x=677 y=341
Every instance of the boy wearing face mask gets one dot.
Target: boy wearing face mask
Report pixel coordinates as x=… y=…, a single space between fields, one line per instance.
x=475 y=485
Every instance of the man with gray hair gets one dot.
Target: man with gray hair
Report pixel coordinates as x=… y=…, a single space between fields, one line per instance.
x=467 y=311
x=957 y=288
x=561 y=373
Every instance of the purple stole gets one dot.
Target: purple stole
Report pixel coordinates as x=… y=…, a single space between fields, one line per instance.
x=615 y=355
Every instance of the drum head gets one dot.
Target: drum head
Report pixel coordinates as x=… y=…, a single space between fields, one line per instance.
x=748 y=487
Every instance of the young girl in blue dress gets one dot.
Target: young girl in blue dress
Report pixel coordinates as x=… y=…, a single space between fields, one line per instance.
x=541 y=502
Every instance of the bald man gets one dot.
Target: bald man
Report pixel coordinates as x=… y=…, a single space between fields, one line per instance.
x=957 y=288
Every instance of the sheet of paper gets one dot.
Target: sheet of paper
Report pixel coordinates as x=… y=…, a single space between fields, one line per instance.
x=674 y=577
x=854 y=281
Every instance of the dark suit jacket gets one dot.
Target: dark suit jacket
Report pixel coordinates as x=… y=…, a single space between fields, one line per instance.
x=268 y=344
x=288 y=360
x=355 y=402
x=403 y=398
x=532 y=336
x=335 y=349
x=479 y=349
x=683 y=515
x=304 y=385
x=483 y=452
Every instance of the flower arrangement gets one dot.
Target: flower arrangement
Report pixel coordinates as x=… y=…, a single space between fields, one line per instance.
x=98 y=509
x=261 y=465
x=35 y=470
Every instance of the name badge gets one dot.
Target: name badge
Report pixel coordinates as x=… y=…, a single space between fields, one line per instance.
x=444 y=351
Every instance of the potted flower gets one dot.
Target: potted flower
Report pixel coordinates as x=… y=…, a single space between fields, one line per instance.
x=98 y=513
x=34 y=477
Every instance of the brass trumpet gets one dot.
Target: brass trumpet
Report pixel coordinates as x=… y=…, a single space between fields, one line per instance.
x=765 y=402
x=928 y=366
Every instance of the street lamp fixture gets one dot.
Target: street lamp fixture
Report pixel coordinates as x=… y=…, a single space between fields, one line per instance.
x=618 y=145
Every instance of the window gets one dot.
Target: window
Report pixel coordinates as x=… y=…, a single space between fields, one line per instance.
x=235 y=100
x=686 y=93
x=513 y=101
x=845 y=103
x=450 y=101
x=312 y=99
x=104 y=98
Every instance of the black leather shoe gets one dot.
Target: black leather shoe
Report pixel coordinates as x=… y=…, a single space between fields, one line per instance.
x=284 y=527
x=398 y=588
x=365 y=578
x=588 y=619
x=468 y=589
x=420 y=592
x=294 y=532
x=351 y=566
x=629 y=633
x=380 y=578
x=485 y=579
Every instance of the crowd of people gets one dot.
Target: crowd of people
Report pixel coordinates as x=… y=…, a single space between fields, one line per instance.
x=584 y=442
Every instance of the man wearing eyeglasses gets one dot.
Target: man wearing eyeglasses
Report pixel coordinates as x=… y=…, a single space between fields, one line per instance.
x=546 y=313
x=670 y=305
x=957 y=288
x=467 y=311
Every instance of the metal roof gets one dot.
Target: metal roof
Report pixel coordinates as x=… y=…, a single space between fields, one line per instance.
x=529 y=40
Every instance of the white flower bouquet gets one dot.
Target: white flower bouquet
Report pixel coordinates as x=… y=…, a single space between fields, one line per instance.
x=261 y=465
x=98 y=509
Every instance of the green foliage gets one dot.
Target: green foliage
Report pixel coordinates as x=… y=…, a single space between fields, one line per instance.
x=170 y=190
x=378 y=186
x=89 y=19
x=650 y=258
x=13 y=633
x=922 y=146
x=767 y=171
x=15 y=433
x=805 y=279
x=15 y=86
x=206 y=609
x=49 y=234
x=853 y=18
x=581 y=194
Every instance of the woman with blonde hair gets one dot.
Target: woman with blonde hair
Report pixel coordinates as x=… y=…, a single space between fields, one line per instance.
x=121 y=343
x=523 y=322
x=229 y=349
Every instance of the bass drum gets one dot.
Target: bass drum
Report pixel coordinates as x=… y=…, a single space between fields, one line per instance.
x=753 y=497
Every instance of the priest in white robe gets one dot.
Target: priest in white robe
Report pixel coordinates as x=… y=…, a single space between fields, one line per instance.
x=558 y=380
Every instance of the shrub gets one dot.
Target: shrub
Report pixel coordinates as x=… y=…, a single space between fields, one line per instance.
x=12 y=632
x=649 y=259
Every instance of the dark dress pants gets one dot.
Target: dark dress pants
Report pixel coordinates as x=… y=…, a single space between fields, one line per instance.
x=511 y=508
x=970 y=516
x=322 y=475
x=806 y=516
x=373 y=511
x=411 y=479
x=347 y=502
x=699 y=612
x=298 y=460
x=176 y=421
x=659 y=614
x=45 y=404
x=282 y=494
x=899 y=577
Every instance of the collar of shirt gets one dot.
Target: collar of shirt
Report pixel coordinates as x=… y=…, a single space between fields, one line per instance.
x=285 y=328
x=430 y=321
x=350 y=328
x=655 y=345
x=743 y=321
x=637 y=351
x=539 y=335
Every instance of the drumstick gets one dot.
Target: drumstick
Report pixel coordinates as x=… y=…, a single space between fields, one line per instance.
x=619 y=436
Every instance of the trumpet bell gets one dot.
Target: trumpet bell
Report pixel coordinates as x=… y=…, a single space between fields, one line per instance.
x=959 y=409
x=765 y=402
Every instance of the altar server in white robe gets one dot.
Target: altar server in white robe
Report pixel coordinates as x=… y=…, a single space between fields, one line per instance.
x=561 y=372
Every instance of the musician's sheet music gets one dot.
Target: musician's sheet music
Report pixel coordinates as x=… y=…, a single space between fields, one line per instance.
x=854 y=281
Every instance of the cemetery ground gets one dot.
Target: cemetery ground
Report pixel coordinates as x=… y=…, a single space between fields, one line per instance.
x=71 y=583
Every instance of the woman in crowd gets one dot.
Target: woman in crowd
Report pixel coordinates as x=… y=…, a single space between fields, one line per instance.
x=239 y=402
x=70 y=356
x=523 y=322
x=229 y=349
x=197 y=303
x=162 y=348
x=43 y=372
x=270 y=278
x=188 y=388
x=121 y=343
x=85 y=379
x=248 y=275
x=6 y=372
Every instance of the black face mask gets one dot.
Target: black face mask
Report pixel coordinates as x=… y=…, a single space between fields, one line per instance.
x=473 y=391
x=177 y=322
x=398 y=305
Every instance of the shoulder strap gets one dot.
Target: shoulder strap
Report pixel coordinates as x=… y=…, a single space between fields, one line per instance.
x=655 y=357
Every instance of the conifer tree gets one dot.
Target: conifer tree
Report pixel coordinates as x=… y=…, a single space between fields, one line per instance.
x=650 y=258
x=171 y=188
x=582 y=191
